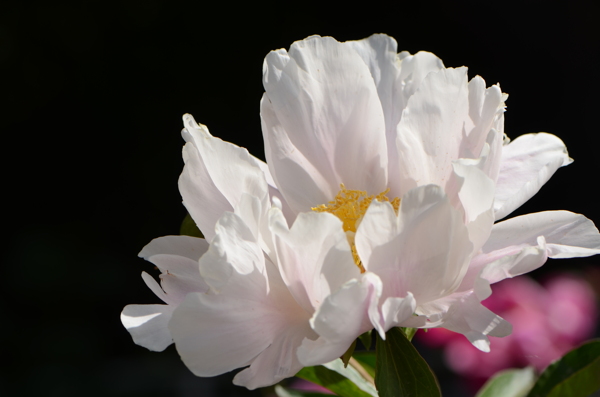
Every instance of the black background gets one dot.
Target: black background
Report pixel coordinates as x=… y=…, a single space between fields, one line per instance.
x=92 y=97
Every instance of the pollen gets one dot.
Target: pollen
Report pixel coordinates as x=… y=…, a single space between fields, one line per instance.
x=350 y=206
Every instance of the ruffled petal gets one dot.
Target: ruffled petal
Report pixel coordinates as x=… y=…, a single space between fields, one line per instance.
x=321 y=112
x=527 y=163
x=424 y=250
x=177 y=259
x=216 y=177
x=147 y=325
x=522 y=244
x=464 y=313
x=314 y=256
x=431 y=131
x=247 y=309
x=343 y=316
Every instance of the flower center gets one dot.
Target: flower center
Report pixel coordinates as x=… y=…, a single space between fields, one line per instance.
x=350 y=206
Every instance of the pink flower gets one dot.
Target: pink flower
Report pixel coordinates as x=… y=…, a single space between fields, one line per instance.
x=548 y=321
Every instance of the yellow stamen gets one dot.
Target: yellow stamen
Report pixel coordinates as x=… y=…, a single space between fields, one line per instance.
x=350 y=206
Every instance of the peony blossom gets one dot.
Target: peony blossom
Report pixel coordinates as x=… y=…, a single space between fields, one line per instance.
x=377 y=208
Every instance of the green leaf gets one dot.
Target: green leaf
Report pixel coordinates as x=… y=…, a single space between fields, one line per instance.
x=400 y=370
x=509 y=383
x=367 y=360
x=576 y=374
x=189 y=228
x=284 y=392
x=332 y=380
x=366 y=339
x=364 y=382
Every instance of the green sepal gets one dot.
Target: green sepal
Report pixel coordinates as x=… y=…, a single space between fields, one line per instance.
x=400 y=371
x=189 y=228
x=366 y=339
x=348 y=355
x=409 y=332
x=281 y=391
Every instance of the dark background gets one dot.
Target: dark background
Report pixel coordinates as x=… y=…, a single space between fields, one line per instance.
x=92 y=97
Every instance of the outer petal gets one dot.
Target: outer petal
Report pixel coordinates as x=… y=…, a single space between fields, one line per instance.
x=527 y=163
x=314 y=256
x=464 y=313
x=425 y=250
x=215 y=177
x=328 y=114
x=177 y=258
x=147 y=325
x=522 y=244
x=341 y=318
x=247 y=310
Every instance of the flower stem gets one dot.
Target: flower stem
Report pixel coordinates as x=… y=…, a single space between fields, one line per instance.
x=359 y=368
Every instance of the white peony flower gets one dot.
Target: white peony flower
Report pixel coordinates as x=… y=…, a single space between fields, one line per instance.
x=391 y=170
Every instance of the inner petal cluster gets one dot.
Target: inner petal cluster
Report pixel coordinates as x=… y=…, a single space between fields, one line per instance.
x=350 y=206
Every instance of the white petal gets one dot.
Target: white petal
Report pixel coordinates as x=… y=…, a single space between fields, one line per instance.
x=177 y=258
x=314 y=256
x=527 y=163
x=227 y=169
x=522 y=244
x=396 y=310
x=476 y=196
x=325 y=112
x=485 y=106
x=186 y=246
x=342 y=317
x=276 y=362
x=199 y=193
x=425 y=250
x=566 y=230
x=147 y=325
x=464 y=313
x=234 y=249
x=430 y=133
x=215 y=333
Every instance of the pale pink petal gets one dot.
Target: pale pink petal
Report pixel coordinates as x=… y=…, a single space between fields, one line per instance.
x=431 y=131
x=463 y=313
x=527 y=163
x=147 y=325
x=423 y=251
x=186 y=246
x=514 y=246
x=395 y=311
x=219 y=173
x=177 y=259
x=320 y=113
x=342 y=317
x=314 y=256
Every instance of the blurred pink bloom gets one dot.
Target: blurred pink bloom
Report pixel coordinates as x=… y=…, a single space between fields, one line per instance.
x=548 y=321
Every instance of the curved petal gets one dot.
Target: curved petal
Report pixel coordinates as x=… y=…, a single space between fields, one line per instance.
x=329 y=114
x=522 y=244
x=424 y=250
x=432 y=128
x=527 y=163
x=147 y=325
x=464 y=313
x=177 y=259
x=314 y=256
x=186 y=246
x=276 y=362
x=343 y=316
x=217 y=176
